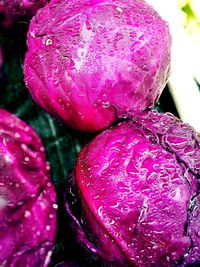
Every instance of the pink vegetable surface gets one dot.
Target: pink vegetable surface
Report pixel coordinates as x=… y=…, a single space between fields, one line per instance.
x=11 y=9
x=91 y=62
x=137 y=184
x=27 y=196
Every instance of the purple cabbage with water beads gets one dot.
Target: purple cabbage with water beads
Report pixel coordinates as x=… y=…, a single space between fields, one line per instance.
x=137 y=186
x=91 y=62
x=12 y=9
x=27 y=196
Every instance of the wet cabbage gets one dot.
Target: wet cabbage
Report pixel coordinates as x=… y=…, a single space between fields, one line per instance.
x=12 y=9
x=27 y=196
x=91 y=62
x=137 y=191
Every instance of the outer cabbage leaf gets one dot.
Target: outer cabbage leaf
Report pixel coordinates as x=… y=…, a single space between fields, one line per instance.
x=27 y=196
x=136 y=188
x=91 y=62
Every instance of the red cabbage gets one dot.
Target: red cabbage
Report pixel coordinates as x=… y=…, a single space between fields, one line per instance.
x=27 y=196
x=137 y=184
x=11 y=9
x=91 y=62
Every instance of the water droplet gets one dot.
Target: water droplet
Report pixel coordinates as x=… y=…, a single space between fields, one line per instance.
x=112 y=222
x=17 y=135
x=8 y=158
x=26 y=159
x=100 y=210
x=27 y=213
x=48 y=42
x=119 y=9
x=105 y=104
x=115 y=205
x=48 y=227
x=55 y=206
x=146 y=190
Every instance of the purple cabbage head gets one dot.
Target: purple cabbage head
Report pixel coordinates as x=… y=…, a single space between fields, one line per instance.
x=11 y=9
x=91 y=62
x=138 y=188
x=27 y=196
